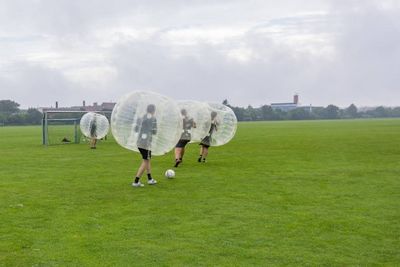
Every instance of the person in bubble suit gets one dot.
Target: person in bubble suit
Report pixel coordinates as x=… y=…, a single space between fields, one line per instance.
x=146 y=127
x=93 y=136
x=188 y=124
x=206 y=141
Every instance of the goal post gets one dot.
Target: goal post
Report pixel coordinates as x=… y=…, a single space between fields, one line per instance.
x=62 y=126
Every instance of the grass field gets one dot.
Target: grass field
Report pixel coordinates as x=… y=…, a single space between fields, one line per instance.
x=280 y=193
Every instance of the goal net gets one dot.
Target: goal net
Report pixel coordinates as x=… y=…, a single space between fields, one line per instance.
x=62 y=126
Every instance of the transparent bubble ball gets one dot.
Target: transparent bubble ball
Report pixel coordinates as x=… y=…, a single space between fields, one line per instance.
x=196 y=120
x=146 y=120
x=94 y=125
x=223 y=125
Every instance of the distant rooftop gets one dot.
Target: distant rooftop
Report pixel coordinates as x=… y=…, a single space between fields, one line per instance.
x=287 y=106
x=284 y=104
x=105 y=106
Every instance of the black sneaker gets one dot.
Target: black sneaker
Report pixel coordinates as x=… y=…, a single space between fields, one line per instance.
x=177 y=162
x=199 y=160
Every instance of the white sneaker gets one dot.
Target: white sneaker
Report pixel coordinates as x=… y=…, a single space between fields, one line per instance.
x=152 y=181
x=138 y=184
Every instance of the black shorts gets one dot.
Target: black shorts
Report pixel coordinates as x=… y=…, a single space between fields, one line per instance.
x=146 y=154
x=206 y=142
x=206 y=146
x=182 y=143
x=93 y=132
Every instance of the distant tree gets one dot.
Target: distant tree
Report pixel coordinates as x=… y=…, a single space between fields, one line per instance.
x=381 y=112
x=342 y=114
x=8 y=106
x=351 y=111
x=280 y=115
x=16 y=119
x=3 y=119
x=34 y=116
x=246 y=115
x=267 y=113
x=299 y=114
x=317 y=112
x=239 y=112
x=225 y=102
x=252 y=112
x=396 y=112
x=331 y=112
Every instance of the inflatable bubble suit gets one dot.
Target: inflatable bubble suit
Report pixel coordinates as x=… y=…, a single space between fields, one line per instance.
x=195 y=118
x=146 y=120
x=94 y=125
x=224 y=124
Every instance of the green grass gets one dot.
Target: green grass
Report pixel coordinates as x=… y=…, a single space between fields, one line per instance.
x=280 y=193
x=56 y=133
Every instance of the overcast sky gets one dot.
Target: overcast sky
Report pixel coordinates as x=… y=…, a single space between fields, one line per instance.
x=251 y=52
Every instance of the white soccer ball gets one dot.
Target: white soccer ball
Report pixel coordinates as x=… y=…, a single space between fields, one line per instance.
x=169 y=174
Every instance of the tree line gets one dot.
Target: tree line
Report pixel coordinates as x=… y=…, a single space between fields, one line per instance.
x=11 y=114
x=267 y=113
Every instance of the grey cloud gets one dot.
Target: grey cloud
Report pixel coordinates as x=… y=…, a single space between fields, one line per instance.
x=362 y=67
x=205 y=73
x=366 y=66
x=365 y=62
x=35 y=85
x=80 y=17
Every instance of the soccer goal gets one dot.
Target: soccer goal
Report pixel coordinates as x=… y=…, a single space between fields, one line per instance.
x=62 y=126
